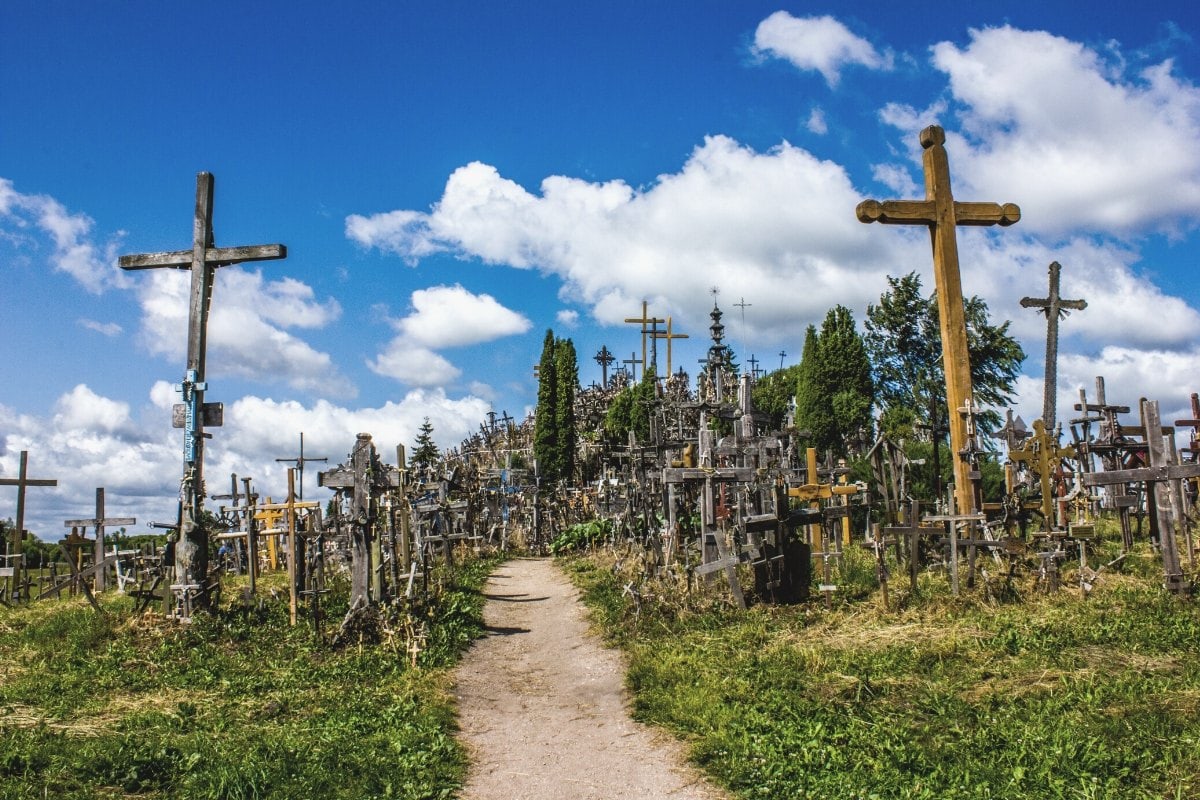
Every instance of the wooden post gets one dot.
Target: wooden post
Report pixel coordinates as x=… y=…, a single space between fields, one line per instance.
x=291 y=528
x=22 y=480
x=942 y=214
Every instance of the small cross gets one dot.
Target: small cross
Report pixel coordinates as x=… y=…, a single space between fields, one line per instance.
x=100 y=522
x=1055 y=308
x=301 y=460
x=782 y=354
x=604 y=358
x=644 y=321
x=669 y=336
x=632 y=361
x=942 y=214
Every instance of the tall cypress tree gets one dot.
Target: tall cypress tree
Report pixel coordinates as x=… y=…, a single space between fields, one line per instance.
x=835 y=392
x=812 y=412
x=545 y=423
x=567 y=381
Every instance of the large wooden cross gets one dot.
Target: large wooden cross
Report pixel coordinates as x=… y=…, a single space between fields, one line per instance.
x=647 y=332
x=1054 y=307
x=670 y=337
x=100 y=523
x=21 y=481
x=204 y=259
x=942 y=213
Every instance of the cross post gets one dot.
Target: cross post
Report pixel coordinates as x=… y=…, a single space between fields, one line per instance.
x=21 y=481
x=942 y=214
x=669 y=336
x=645 y=320
x=633 y=361
x=300 y=461
x=1055 y=308
x=100 y=522
x=203 y=261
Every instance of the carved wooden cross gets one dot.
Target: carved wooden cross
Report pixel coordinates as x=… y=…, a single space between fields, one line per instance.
x=100 y=522
x=204 y=259
x=669 y=336
x=645 y=320
x=1042 y=453
x=1054 y=307
x=21 y=481
x=942 y=213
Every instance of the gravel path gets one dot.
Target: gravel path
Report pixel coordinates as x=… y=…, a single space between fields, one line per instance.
x=543 y=709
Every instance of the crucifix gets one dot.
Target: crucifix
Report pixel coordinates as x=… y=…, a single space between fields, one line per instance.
x=645 y=320
x=21 y=481
x=302 y=459
x=203 y=260
x=604 y=358
x=100 y=522
x=1055 y=308
x=942 y=214
x=669 y=336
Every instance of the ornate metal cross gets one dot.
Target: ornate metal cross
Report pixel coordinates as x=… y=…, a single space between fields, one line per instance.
x=942 y=213
x=1054 y=307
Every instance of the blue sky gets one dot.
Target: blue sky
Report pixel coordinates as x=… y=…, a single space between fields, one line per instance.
x=452 y=179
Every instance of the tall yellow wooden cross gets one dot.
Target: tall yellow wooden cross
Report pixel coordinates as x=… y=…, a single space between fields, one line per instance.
x=942 y=214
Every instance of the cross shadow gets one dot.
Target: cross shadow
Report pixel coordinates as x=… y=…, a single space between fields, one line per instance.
x=500 y=630
x=514 y=598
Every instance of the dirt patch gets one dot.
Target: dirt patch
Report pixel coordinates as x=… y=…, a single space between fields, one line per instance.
x=543 y=707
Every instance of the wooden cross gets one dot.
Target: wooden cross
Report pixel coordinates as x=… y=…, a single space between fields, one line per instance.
x=301 y=460
x=1158 y=473
x=645 y=320
x=204 y=259
x=942 y=213
x=1042 y=453
x=604 y=358
x=1054 y=307
x=669 y=336
x=100 y=522
x=633 y=361
x=782 y=355
x=21 y=481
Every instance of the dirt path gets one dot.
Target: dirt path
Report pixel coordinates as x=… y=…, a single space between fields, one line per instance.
x=543 y=709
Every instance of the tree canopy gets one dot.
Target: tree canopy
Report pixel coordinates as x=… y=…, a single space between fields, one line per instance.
x=835 y=392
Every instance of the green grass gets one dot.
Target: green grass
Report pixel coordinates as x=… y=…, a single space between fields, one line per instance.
x=235 y=705
x=1039 y=696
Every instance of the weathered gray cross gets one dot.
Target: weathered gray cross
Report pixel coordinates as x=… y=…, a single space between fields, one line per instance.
x=21 y=481
x=1055 y=308
x=100 y=522
x=300 y=461
x=204 y=259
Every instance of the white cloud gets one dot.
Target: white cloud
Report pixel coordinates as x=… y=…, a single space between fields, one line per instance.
x=780 y=224
x=92 y=265
x=413 y=364
x=567 y=317
x=816 y=122
x=246 y=328
x=451 y=316
x=109 y=329
x=1064 y=131
x=822 y=44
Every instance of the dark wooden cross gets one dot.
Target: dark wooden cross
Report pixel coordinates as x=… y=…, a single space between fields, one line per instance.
x=753 y=362
x=203 y=260
x=100 y=522
x=1055 y=308
x=647 y=333
x=942 y=214
x=633 y=361
x=604 y=358
x=782 y=355
x=21 y=481
x=1156 y=475
x=300 y=461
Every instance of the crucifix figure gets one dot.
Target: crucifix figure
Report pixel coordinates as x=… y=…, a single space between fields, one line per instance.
x=302 y=459
x=21 y=481
x=1055 y=308
x=100 y=523
x=942 y=214
x=203 y=260
x=604 y=359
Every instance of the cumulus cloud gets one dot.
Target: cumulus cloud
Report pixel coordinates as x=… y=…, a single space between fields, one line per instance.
x=780 y=223
x=108 y=329
x=93 y=265
x=1074 y=136
x=816 y=122
x=247 y=328
x=443 y=316
x=567 y=317
x=822 y=44
x=91 y=441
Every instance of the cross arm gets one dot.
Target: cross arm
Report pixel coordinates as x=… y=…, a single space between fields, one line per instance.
x=182 y=259
x=83 y=523
x=1145 y=474
x=986 y=213
x=28 y=482
x=896 y=212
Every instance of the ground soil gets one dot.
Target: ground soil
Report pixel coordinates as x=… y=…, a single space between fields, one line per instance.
x=543 y=708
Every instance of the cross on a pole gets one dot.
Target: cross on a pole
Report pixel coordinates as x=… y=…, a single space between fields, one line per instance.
x=753 y=362
x=604 y=358
x=669 y=336
x=782 y=354
x=302 y=459
x=21 y=481
x=942 y=213
x=99 y=522
x=645 y=320
x=1055 y=308
x=203 y=260
x=633 y=361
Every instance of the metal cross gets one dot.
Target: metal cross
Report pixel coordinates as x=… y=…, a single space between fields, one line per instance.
x=942 y=214
x=302 y=459
x=1055 y=308
x=203 y=260
x=604 y=359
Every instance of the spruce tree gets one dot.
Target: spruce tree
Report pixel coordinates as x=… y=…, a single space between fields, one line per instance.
x=425 y=452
